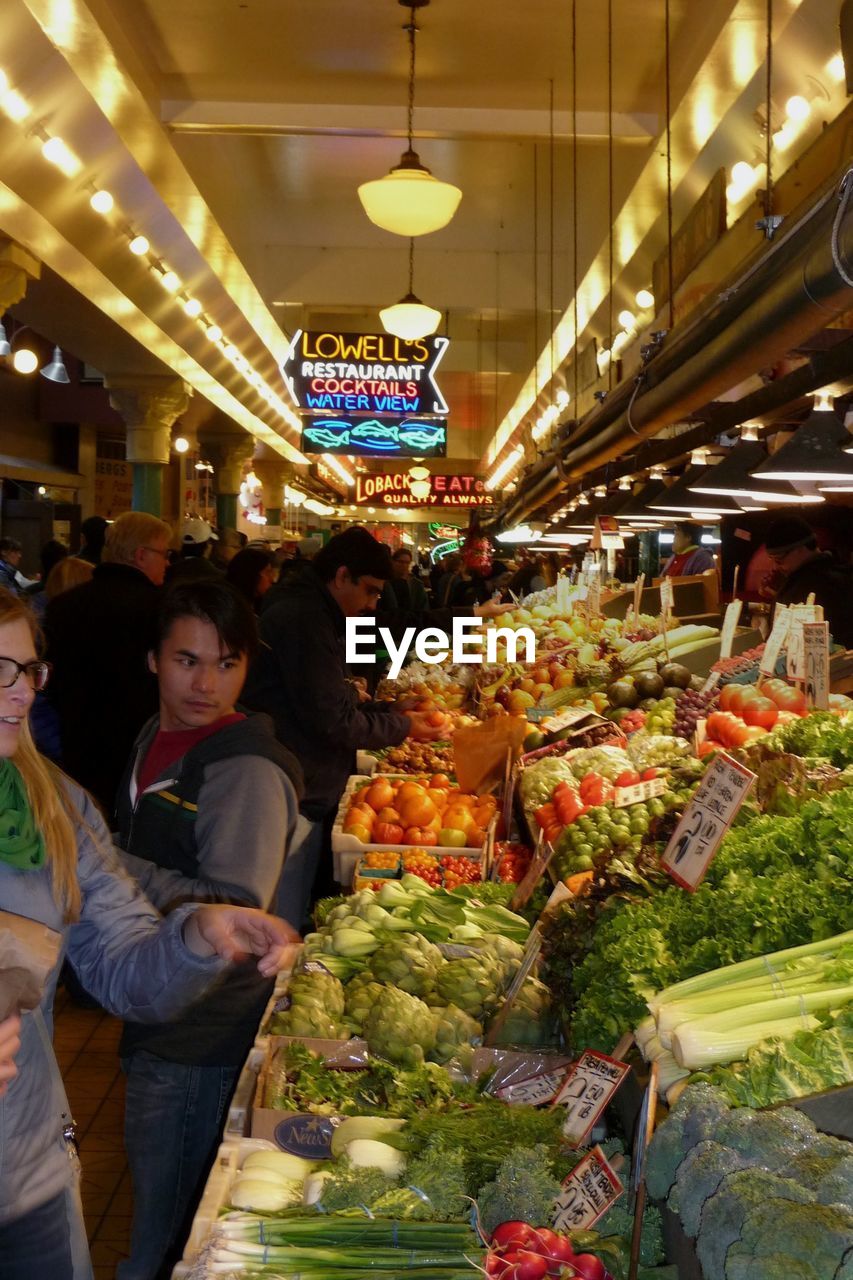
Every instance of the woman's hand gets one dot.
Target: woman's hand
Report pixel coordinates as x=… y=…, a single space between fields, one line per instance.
x=10 y=1043
x=236 y=932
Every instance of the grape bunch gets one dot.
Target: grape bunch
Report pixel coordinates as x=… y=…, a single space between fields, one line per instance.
x=691 y=707
x=660 y=717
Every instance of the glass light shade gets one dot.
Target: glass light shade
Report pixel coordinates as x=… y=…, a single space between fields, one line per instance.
x=409 y=201
x=815 y=452
x=419 y=473
x=410 y=319
x=25 y=361
x=56 y=370
x=420 y=489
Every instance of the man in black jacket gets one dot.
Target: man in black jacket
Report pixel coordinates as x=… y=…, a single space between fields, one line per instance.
x=792 y=545
x=300 y=678
x=98 y=638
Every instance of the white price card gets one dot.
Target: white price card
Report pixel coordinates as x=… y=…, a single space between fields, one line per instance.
x=666 y=597
x=586 y=1092
x=533 y=1092
x=800 y=614
x=639 y=793
x=638 y=592
x=562 y=719
x=711 y=683
x=564 y=595
x=776 y=640
x=706 y=820
x=700 y=733
x=588 y=1192
x=730 y=621
x=816 y=664
x=314 y=966
x=593 y=595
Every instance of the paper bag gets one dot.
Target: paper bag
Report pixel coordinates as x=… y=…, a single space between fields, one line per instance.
x=28 y=952
x=480 y=751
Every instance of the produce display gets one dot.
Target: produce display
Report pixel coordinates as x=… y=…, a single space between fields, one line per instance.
x=396 y=1025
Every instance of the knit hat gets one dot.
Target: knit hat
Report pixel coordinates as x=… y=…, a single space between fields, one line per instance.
x=788 y=533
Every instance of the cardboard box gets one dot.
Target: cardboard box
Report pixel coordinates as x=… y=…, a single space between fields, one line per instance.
x=300 y=1133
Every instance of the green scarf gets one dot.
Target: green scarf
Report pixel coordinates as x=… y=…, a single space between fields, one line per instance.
x=21 y=844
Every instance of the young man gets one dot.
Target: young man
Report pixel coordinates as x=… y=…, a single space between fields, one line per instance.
x=205 y=813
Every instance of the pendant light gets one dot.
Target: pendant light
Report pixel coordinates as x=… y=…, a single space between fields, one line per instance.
x=410 y=318
x=733 y=478
x=636 y=509
x=409 y=201
x=678 y=499
x=814 y=454
x=55 y=371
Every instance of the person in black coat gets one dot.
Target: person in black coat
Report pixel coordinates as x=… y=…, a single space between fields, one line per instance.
x=792 y=545
x=98 y=638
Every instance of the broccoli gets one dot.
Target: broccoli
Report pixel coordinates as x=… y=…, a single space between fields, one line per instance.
x=815 y=1237
x=771 y=1266
x=766 y=1138
x=349 y=1187
x=523 y=1190
x=723 y=1216
x=619 y=1221
x=695 y=1117
x=699 y=1175
x=830 y=1177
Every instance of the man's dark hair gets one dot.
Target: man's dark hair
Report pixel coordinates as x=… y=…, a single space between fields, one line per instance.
x=246 y=568
x=51 y=553
x=94 y=530
x=10 y=544
x=787 y=533
x=690 y=530
x=213 y=601
x=401 y=552
x=356 y=550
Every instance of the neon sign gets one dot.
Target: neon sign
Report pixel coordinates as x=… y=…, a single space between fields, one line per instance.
x=376 y=437
x=364 y=373
x=445 y=491
x=438 y=529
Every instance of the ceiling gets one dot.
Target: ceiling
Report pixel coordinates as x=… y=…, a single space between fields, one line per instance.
x=234 y=133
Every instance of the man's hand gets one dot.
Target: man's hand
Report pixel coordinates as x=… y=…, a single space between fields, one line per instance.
x=422 y=729
x=492 y=609
x=10 y=1043
x=236 y=932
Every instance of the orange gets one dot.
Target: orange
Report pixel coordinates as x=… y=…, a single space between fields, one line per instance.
x=440 y=780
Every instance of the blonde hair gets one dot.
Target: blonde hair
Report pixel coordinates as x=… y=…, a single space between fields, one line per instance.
x=68 y=573
x=53 y=812
x=131 y=531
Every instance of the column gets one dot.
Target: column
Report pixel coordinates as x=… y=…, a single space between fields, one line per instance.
x=229 y=455
x=149 y=406
x=17 y=268
x=274 y=472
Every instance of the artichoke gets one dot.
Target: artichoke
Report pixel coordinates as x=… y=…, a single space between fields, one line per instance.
x=321 y=990
x=471 y=984
x=305 y=1020
x=530 y=1021
x=454 y=1030
x=507 y=954
x=400 y=1027
x=409 y=963
x=361 y=995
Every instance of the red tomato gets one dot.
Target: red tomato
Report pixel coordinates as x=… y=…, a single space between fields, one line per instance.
x=790 y=699
x=743 y=693
x=419 y=835
x=649 y=775
x=726 y=694
x=388 y=833
x=760 y=711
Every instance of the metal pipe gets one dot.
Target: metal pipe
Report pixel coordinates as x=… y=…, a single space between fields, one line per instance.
x=797 y=294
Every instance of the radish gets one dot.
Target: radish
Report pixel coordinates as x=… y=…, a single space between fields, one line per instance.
x=510 y=1235
x=559 y=1254
x=530 y=1266
x=590 y=1267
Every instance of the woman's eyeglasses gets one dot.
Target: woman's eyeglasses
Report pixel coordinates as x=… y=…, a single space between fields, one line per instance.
x=37 y=672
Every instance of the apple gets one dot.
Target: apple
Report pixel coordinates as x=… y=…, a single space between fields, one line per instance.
x=451 y=838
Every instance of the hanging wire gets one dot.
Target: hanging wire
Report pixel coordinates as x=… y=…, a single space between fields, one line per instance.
x=411 y=28
x=575 y=202
x=669 y=264
x=497 y=332
x=610 y=184
x=551 y=226
x=768 y=140
x=535 y=253
x=411 y=264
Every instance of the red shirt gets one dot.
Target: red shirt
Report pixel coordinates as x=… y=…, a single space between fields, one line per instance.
x=170 y=745
x=675 y=567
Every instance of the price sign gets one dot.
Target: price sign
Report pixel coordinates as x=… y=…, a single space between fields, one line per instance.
x=593 y=595
x=589 y=1190
x=712 y=682
x=533 y=1092
x=314 y=966
x=564 y=597
x=730 y=621
x=586 y=1091
x=799 y=614
x=456 y=951
x=816 y=663
x=638 y=591
x=639 y=793
x=706 y=820
x=700 y=733
x=569 y=715
x=776 y=640
x=666 y=598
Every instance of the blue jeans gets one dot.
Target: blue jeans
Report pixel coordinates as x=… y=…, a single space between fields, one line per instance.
x=173 y=1122
x=39 y=1244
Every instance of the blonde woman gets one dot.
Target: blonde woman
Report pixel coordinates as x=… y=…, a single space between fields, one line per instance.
x=57 y=867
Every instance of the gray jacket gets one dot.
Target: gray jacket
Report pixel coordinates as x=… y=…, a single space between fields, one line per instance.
x=134 y=963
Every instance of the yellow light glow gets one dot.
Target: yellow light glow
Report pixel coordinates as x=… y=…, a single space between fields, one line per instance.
x=742 y=173
x=14 y=106
x=213 y=332
x=798 y=108
x=192 y=307
x=139 y=246
x=25 y=361
x=170 y=281
x=410 y=320
x=60 y=154
x=101 y=201
x=409 y=202
x=835 y=68
x=626 y=319
x=645 y=299
x=181 y=444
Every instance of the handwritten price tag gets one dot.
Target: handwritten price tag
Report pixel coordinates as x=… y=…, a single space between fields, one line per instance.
x=639 y=793
x=776 y=640
x=800 y=615
x=638 y=591
x=593 y=598
x=588 y=1192
x=533 y=1092
x=564 y=596
x=730 y=621
x=314 y=966
x=712 y=682
x=666 y=597
x=587 y=1091
x=706 y=820
x=816 y=663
